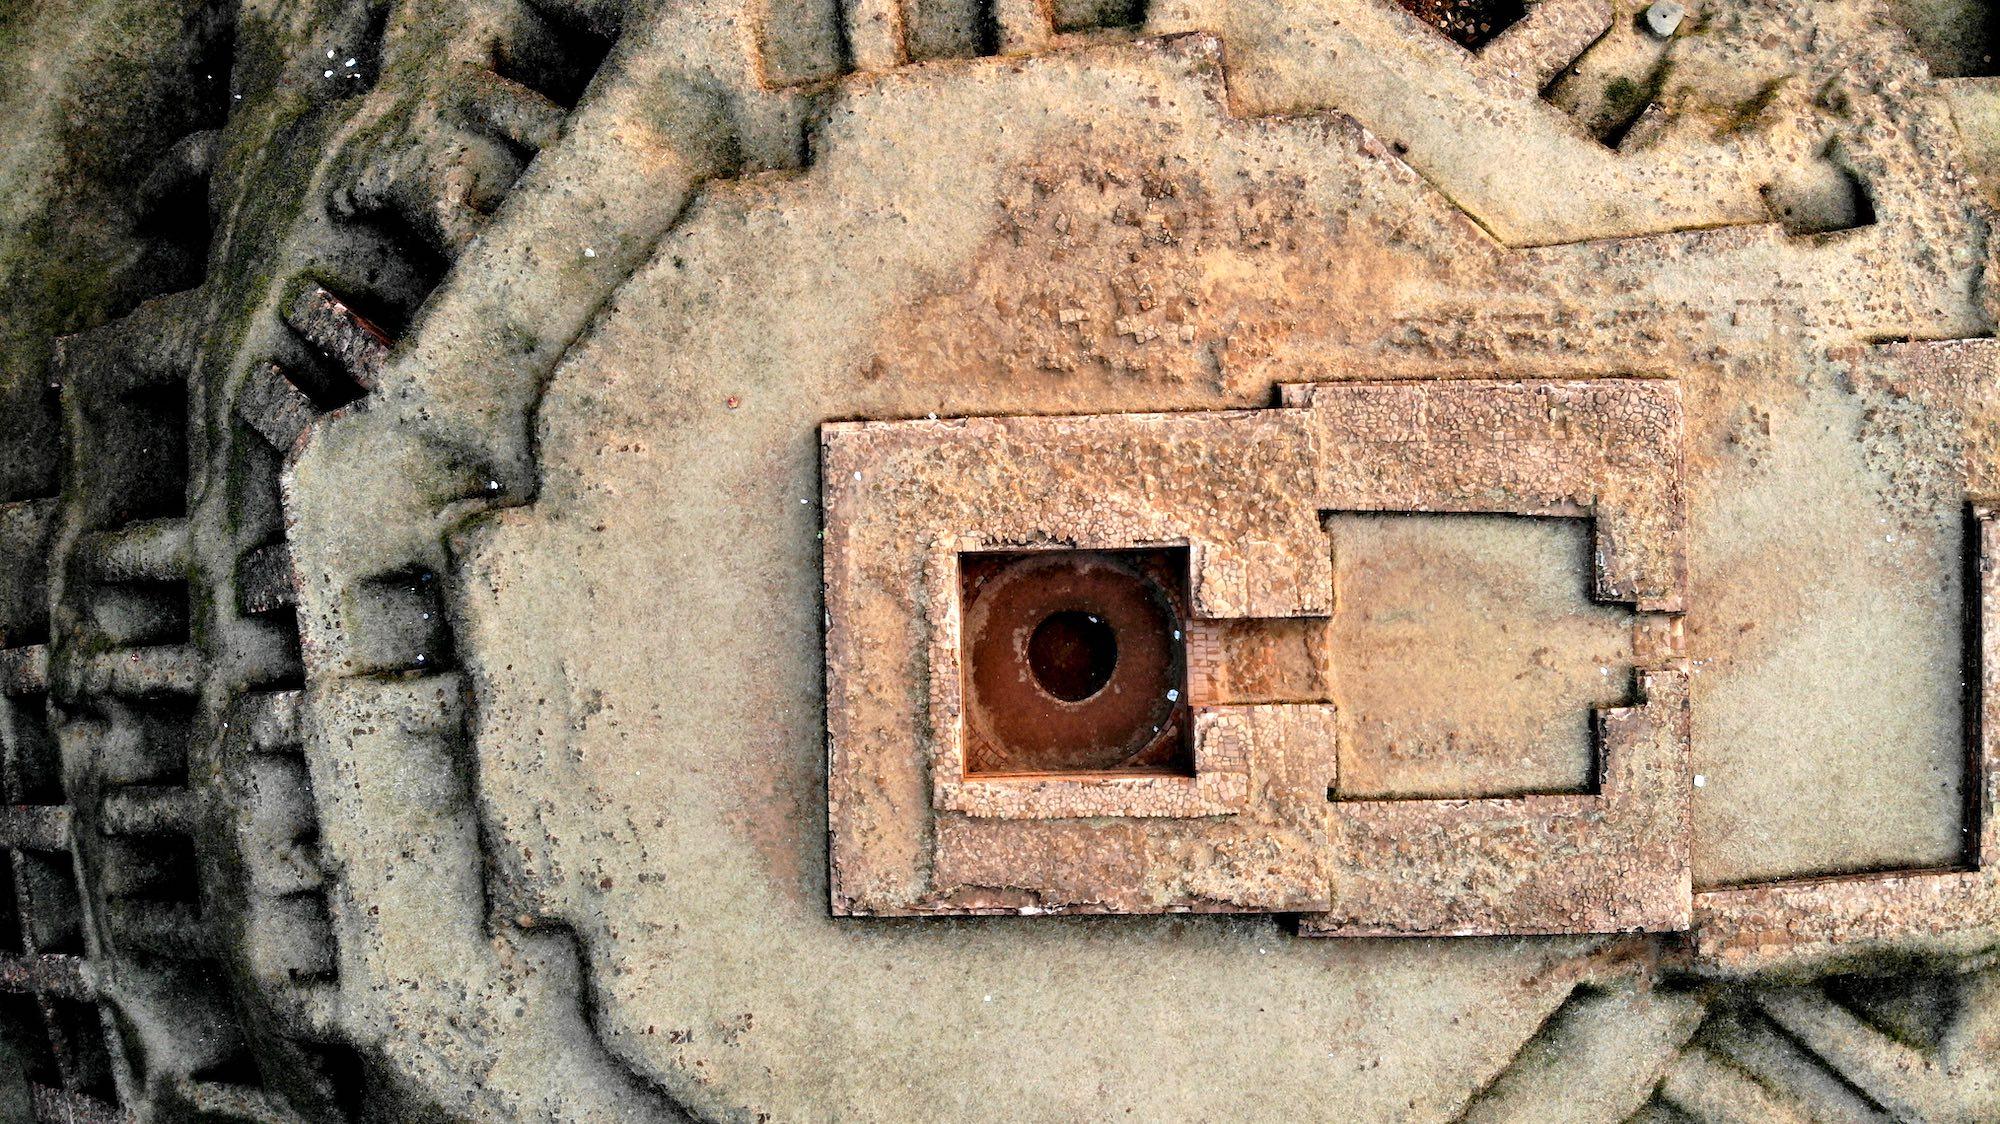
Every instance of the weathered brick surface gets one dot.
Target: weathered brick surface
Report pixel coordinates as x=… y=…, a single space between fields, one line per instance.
x=1256 y=826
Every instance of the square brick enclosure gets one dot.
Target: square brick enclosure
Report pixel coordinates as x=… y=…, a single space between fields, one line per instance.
x=1075 y=662
x=1021 y=703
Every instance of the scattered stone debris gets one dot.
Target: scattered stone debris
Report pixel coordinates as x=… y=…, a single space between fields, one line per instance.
x=1470 y=23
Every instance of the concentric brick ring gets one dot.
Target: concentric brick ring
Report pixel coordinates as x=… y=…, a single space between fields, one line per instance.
x=1074 y=662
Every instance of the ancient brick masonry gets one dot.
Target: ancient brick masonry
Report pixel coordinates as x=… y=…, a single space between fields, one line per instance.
x=1259 y=824
x=904 y=500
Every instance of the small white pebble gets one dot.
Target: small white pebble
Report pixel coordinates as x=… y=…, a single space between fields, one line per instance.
x=989 y=999
x=350 y=62
x=1173 y=694
x=1701 y=780
x=857 y=476
x=326 y=74
x=589 y=252
x=329 y=54
x=492 y=485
